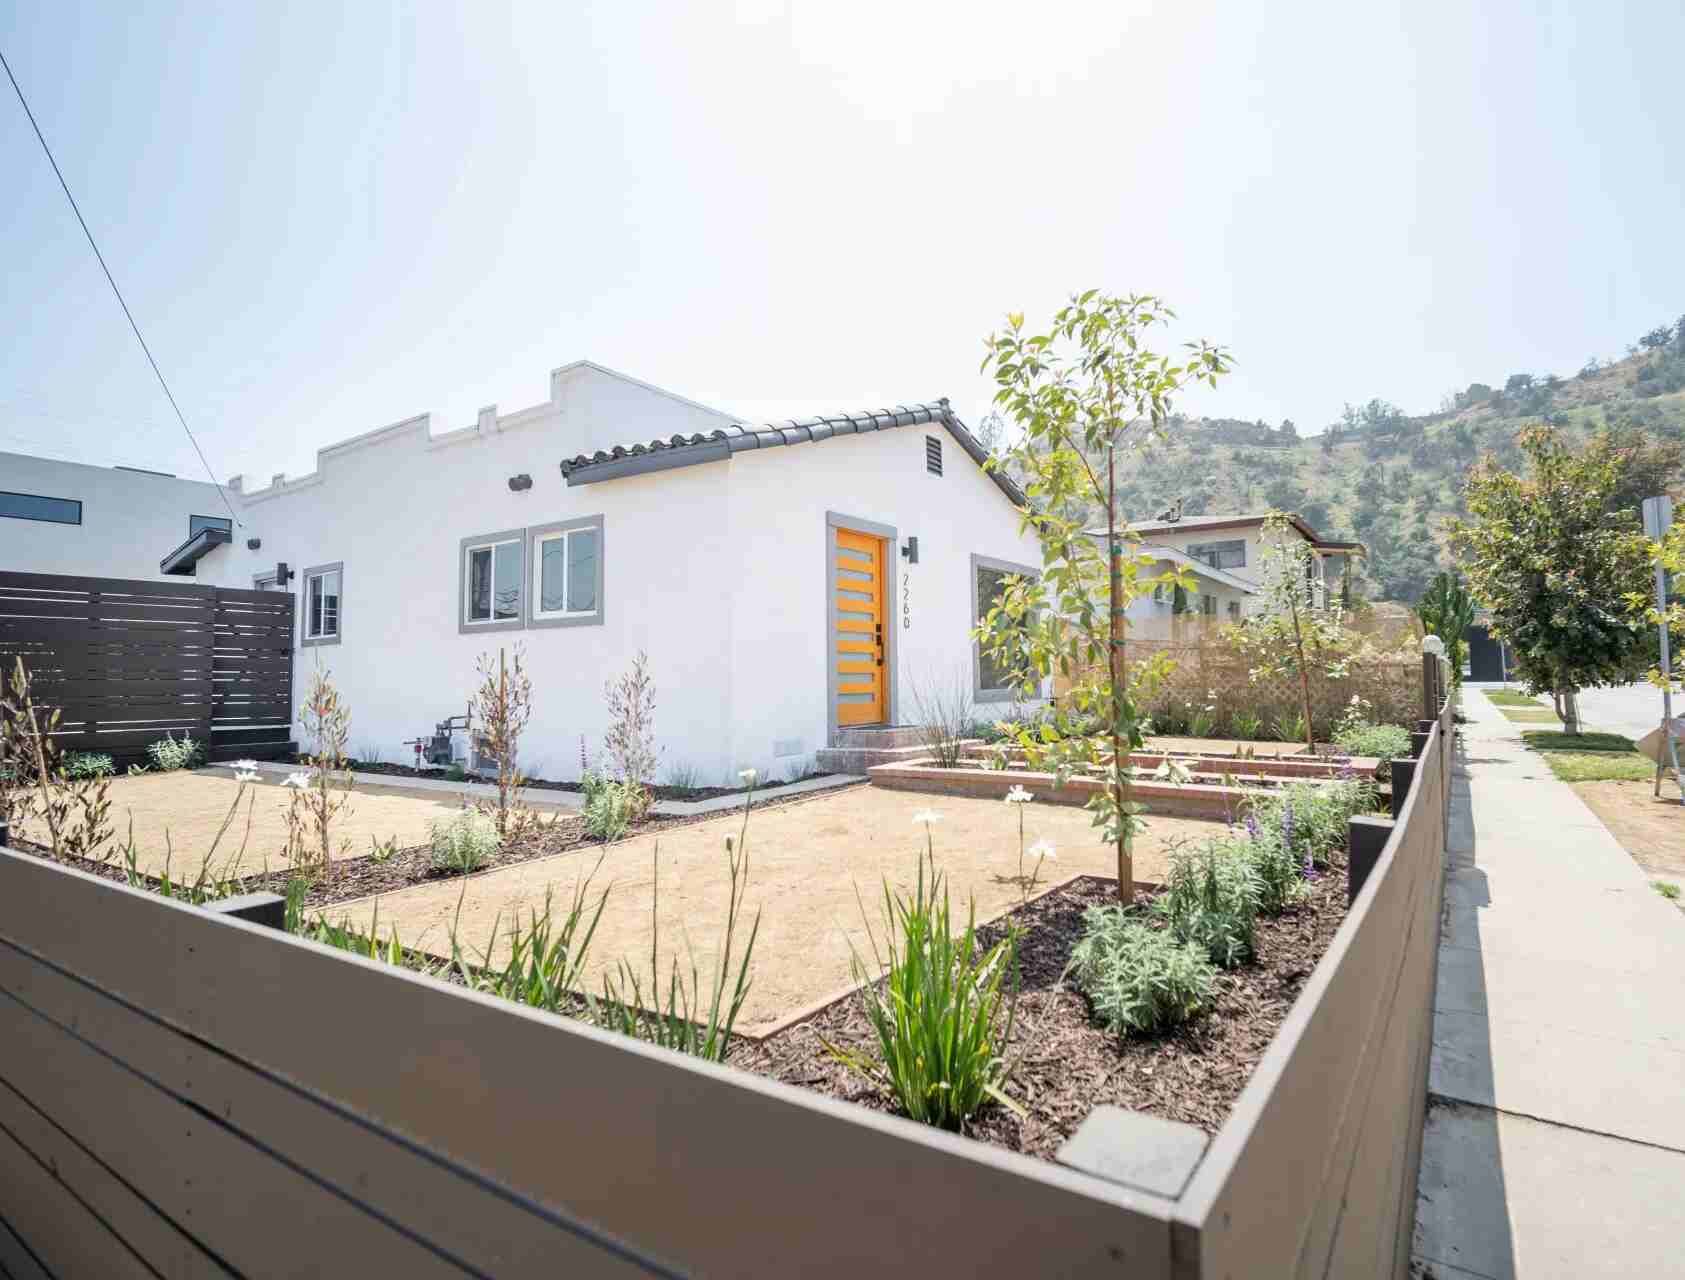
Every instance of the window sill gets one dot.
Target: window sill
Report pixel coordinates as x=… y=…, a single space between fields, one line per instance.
x=312 y=642
x=541 y=620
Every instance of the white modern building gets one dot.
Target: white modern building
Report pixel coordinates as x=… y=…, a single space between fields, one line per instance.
x=787 y=581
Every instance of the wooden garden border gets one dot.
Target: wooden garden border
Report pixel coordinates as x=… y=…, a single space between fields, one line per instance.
x=196 y=1095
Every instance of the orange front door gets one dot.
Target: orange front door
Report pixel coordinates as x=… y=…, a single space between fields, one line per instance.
x=857 y=644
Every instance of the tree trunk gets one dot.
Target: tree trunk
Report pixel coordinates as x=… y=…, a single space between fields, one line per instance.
x=1304 y=682
x=1114 y=664
x=1571 y=712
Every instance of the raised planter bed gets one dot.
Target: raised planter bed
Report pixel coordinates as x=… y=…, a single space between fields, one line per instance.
x=1294 y=767
x=1186 y=800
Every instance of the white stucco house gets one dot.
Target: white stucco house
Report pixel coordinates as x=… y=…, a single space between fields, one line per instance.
x=789 y=582
x=1224 y=553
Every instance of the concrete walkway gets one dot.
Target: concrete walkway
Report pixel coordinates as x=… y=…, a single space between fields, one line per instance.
x=1555 y=1142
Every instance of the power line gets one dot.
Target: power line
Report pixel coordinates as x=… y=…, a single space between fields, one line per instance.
x=169 y=395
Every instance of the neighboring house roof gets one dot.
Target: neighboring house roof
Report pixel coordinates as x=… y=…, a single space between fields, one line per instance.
x=721 y=443
x=1201 y=524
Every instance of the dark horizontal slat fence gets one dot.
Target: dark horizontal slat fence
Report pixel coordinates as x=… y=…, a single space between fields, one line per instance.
x=126 y=663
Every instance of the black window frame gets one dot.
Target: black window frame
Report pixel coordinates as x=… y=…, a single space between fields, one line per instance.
x=198 y=524
x=39 y=497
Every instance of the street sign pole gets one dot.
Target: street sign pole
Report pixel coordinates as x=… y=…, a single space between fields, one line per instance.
x=1658 y=517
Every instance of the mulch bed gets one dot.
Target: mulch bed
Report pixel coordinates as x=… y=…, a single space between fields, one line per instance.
x=1065 y=1064
x=361 y=875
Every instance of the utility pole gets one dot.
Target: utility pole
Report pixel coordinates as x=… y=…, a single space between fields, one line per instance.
x=1658 y=517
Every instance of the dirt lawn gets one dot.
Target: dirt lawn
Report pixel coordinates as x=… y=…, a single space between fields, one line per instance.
x=177 y=815
x=1651 y=830
x=806 y=860
x=1264 y=750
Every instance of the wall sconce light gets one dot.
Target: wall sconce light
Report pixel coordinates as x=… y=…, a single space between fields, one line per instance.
x=283 y=575
x=911 y=550
x=520 y=483
x=252 y=544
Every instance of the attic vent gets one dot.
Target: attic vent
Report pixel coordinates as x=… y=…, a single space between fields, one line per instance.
x=933 y=455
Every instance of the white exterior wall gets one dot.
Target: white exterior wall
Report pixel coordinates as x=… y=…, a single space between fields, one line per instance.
x=719 y=571
x=130 y=519
x=780 y=650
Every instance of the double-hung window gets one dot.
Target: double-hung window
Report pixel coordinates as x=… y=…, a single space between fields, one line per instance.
x=567 y=572
x=493 y=595
x=323 y=587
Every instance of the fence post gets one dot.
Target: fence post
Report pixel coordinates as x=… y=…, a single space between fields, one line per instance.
x=1418 y=742
x=1403 y=773
x=268 y=909
x=1430 y=704
x=1365 y=838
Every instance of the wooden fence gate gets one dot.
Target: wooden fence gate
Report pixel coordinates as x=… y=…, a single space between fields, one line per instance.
x=126 y=663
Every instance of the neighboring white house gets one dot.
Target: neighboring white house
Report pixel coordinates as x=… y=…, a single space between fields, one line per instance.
x=785 y=580
x=1225 y=555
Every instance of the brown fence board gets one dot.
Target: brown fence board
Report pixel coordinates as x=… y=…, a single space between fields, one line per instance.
x=53 y=1224
x=16 y=1262
x=600 y=1137
x=1314 y=1174
x=294 y=1159
x=128 y=1214
x=125 y=662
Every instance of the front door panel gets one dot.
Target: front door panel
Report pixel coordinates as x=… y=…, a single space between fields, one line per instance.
x=857 y=643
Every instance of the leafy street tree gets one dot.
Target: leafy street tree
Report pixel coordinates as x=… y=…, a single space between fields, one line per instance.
x=1555 y=556
x=1080 y=394
x=1295 y=628
x=1447 y=611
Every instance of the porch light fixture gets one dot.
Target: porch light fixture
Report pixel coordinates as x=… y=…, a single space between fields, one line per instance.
x=253 y=544
x=520 y=483
x=911 y=550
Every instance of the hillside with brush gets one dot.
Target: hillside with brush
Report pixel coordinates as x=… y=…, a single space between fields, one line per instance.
x=1390 y=479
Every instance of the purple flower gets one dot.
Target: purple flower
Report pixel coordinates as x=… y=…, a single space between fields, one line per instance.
x=1287 y=825
x=1251 y=826
x=1311 y=873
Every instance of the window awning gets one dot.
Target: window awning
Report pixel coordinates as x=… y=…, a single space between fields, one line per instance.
x=181 y=561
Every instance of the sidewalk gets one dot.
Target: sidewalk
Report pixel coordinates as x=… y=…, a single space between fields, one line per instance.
x=1555 y=1140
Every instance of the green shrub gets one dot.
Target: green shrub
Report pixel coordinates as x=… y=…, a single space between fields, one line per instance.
x=1247 y=725
x=170 y=753
x=1310 y=818
x=463 y=841
x=1280 y=872
x=546 y=957
x=938 y=1016
x=1291 y=728
x=608 y=809
x=1382 y=741
x=1139 y=979
x=1211 y=898
x=88 y=764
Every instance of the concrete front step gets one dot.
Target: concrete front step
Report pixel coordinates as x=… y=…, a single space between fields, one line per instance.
x=880 y=737
x=857 y=760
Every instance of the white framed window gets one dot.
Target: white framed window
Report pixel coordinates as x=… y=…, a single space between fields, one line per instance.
x=323 y=604
x=493 y=582
x=566 y=564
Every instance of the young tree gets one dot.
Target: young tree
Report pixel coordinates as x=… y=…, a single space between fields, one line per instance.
x=630 y=741
x=1555 y=556
x=1081 y=393
x=1447 y=611
x=501 y=707
x=1295 y=627
x=321 y=793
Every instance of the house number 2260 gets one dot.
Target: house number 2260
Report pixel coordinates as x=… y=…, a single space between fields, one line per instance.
x=906 y=603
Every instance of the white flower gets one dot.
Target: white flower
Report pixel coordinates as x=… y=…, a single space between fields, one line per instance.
x=301 y=780
x=1018 y=796
x=1042 y=849
x=748 y=776
x=924 y=817
x=244 y=766
x=245 y=775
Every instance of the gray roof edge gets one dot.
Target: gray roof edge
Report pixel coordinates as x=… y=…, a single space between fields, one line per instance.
x=712 y=446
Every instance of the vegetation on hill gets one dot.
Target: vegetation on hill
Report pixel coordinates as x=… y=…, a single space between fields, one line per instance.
x=1392 y=480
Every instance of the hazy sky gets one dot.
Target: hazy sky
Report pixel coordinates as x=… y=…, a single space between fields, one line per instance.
x=328 y=218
